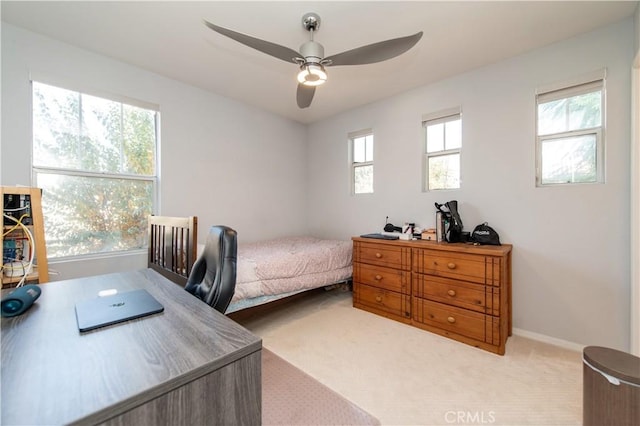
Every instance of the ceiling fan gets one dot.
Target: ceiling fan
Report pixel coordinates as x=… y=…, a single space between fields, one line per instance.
x=311 y=59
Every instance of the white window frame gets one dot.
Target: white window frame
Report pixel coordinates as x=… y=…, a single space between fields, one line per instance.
x=153 y=179
x=587 y=84
x=355 y=165
x=443 y=116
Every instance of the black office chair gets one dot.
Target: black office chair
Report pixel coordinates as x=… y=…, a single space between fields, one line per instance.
x=213 y=276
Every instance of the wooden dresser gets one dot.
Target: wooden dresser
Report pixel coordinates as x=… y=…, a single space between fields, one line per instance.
x=456 y=290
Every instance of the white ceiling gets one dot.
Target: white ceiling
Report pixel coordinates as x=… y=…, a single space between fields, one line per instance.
x=169 y=38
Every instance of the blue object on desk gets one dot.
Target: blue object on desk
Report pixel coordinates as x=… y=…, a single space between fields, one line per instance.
x=18 y=301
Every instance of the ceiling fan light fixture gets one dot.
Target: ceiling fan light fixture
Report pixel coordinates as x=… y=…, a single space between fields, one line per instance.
x=312 y=75
x=311 y=59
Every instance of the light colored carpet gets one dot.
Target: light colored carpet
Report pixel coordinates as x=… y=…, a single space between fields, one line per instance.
x=406 y=376
x=292 y=397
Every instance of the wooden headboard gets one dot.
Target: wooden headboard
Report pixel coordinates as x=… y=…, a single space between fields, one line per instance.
x=173 y=246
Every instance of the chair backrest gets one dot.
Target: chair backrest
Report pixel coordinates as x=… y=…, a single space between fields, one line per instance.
x=213 y=277
x=173 y=246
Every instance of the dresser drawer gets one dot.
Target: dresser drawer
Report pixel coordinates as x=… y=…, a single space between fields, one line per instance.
x=381 y=277
x=477 y=297
x=485 y=328
x=380 y=254
x=469 y=267
x=382 y=300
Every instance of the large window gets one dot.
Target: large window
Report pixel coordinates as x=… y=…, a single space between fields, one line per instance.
x=361 y=162
x=570 y=145
x=442 y=145
x=95 y=160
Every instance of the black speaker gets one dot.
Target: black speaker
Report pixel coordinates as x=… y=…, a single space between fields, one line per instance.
x=19 y=300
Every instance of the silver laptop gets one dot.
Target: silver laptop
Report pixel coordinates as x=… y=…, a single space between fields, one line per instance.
x=119 y=307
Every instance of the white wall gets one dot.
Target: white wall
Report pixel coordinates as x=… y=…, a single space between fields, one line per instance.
x=571 y=244
x=223 y=161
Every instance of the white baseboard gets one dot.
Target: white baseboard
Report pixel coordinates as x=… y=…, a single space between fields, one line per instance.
x=548 y=339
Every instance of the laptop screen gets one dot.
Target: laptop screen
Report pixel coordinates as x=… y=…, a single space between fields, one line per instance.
x=119 y=307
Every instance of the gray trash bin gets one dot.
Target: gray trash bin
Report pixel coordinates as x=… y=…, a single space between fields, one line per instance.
x=611 y=387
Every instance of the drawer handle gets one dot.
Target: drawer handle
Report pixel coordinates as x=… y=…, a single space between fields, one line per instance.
x=378 y=298
x=451 y=320
x=378 y=277
x=378 y=255
x=451 y=265
x=451 y=293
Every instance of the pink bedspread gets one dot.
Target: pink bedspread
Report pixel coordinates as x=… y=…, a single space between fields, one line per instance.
x=290 y=264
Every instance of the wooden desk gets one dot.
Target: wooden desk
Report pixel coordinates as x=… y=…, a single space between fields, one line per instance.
x=189 y=365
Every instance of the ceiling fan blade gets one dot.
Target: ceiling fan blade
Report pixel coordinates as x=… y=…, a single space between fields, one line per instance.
x=272 y=49
x=376 y=52
x=304 y=95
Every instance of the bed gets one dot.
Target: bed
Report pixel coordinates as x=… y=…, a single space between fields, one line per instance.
x=274 y=269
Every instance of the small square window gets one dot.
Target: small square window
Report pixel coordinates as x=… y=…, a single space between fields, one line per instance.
x=362 y=162
x=443 y=143
x=569 y=135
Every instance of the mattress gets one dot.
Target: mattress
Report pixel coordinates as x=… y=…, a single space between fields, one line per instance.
x=285 y=266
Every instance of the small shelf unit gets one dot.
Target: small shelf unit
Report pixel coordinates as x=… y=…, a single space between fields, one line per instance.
x=28 y=200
